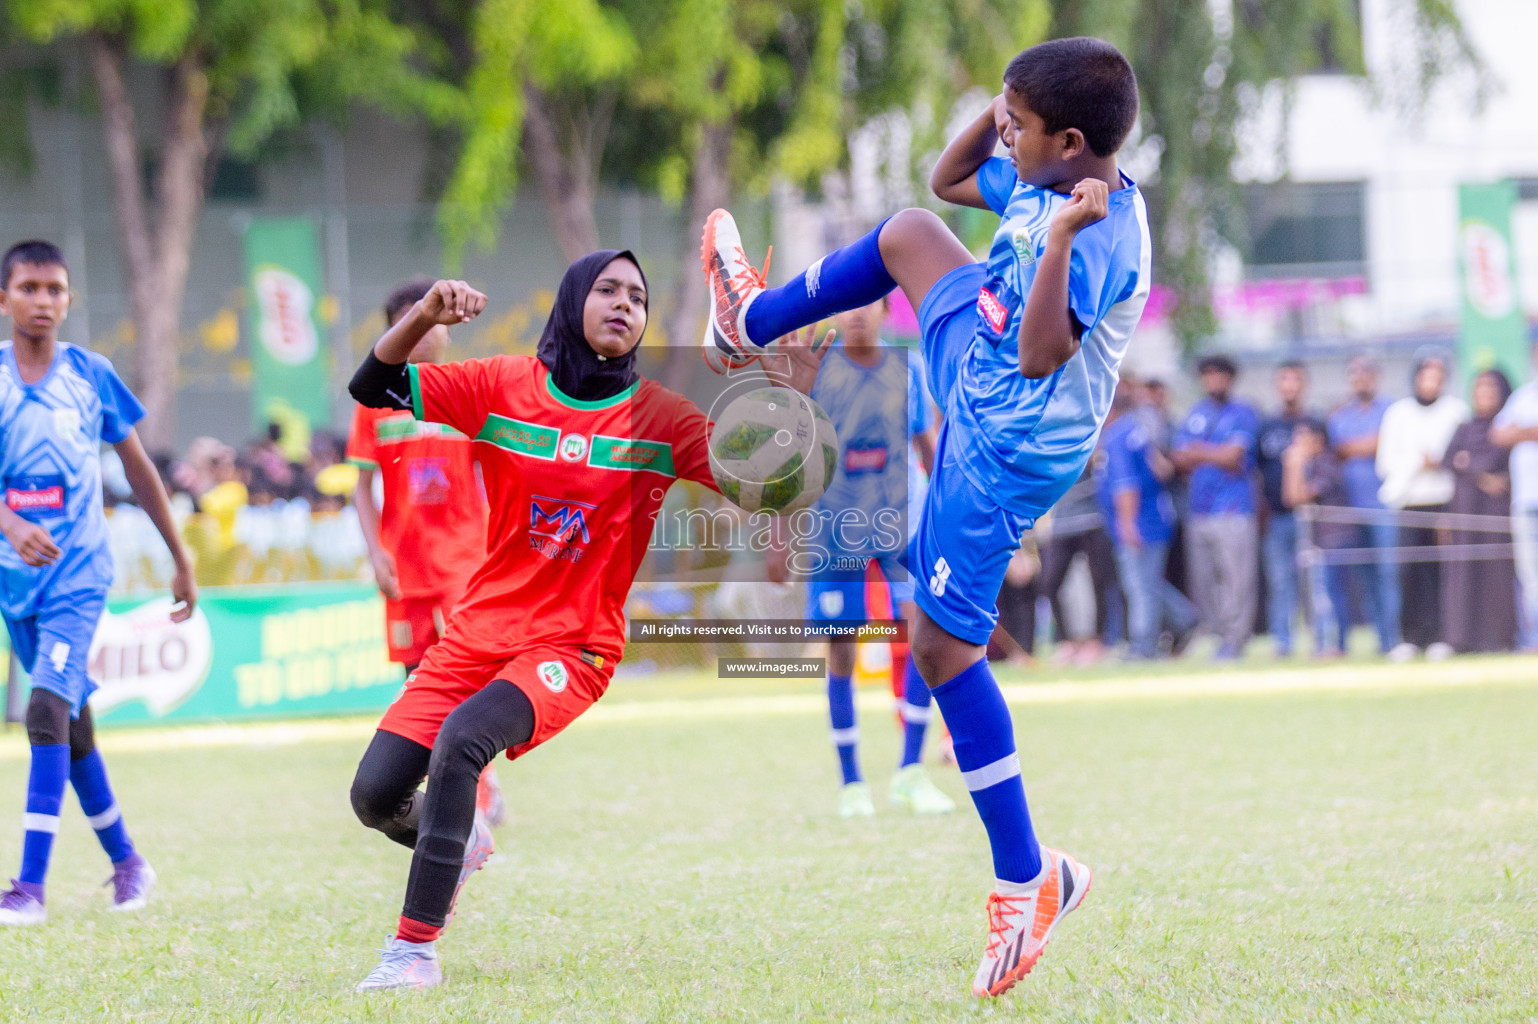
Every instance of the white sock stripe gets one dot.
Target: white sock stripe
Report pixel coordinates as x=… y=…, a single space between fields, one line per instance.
x=40 y=822
x=992 y=774
x=918 y=715
x=106 y=818
x=844 y=737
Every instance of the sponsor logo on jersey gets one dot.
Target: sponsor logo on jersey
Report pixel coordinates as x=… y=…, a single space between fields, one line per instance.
x=558 y=527
x=992 y=310
x=573 y=447
x=519 y=436
x=66 y=423
x=869 y=458
x=1025 y=249
x=631 y=453
x=35 y=494
x=553 y=674
x=427 y=481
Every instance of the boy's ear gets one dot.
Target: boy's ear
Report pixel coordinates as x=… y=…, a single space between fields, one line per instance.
x=1074 y=144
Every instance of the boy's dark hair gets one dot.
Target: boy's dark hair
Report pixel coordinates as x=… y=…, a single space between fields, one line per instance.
x=1222 y=364
x=33 y=251
x=1082 y=83
x=405 y=296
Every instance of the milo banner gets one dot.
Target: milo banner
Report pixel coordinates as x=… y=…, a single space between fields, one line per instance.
x=291 y=365
x=247 y=652
x=1494 y=330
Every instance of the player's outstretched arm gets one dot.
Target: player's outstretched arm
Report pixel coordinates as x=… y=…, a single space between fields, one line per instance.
x=1049 y=332
x=799 y=358
x=954 y=178
x=382 y=382
x=151 y=496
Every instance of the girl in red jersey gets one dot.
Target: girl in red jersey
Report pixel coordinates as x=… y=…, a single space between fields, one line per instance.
x=577 y=452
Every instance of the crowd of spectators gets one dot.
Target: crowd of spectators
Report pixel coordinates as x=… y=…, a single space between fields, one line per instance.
x=269 y=512
x=1417 y=517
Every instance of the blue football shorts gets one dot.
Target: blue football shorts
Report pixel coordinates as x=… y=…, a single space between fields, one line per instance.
x=838 y=593
x=54 y=645
x=948 y=322
x=960 y=549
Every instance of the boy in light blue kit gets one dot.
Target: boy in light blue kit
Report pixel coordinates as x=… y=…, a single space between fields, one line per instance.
x=1023 y=353
x=58 y=403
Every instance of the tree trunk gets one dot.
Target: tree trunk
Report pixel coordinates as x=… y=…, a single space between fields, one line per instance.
x=565 y=181
x=709 y=189
x=155 y=260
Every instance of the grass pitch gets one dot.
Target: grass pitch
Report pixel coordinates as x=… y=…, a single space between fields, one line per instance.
x=1347 y=844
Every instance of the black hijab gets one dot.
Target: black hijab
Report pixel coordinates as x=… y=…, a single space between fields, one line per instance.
x=574 y=367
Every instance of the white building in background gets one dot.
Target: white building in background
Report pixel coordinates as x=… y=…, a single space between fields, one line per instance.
x=1353 y=202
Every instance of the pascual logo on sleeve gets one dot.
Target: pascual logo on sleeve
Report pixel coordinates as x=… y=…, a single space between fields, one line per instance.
x=552 y=674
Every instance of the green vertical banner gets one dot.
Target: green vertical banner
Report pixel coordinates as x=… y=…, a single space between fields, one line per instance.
x=1494 y=329
x=292 y=366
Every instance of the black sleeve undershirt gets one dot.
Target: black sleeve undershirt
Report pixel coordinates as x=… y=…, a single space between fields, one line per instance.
x=381 y=385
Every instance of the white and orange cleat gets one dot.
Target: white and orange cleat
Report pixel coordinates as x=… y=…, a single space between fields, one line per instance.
x=733 y=283
x=1021 y=924
x=489 y=801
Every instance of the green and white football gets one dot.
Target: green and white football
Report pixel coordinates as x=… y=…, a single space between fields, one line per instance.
x=773 y=450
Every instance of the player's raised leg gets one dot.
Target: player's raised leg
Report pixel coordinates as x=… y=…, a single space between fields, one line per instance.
x=132 y=877
x=912 y=250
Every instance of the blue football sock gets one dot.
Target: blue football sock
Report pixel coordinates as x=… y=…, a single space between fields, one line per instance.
x=917 y=709
x=980 y=725
x=89 y=774
x=45 y=795
x=846 y=278
x=845 y=734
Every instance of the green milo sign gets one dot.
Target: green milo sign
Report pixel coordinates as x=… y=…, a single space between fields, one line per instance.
x=247 y=652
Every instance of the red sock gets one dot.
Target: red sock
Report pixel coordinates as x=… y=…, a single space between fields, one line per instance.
x=415 y=931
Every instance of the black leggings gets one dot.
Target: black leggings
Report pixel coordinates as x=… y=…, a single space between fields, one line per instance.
x=48 y=722
x=437 y=824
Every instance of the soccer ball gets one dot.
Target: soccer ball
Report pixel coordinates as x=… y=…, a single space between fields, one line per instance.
x=773 y=450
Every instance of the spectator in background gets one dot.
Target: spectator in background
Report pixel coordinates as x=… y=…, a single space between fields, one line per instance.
x=1354 y=436
x=1215 y=449
x=1154 y=410
x=1280 y=547
x=1075 y=527
x=1411 y=445
x=1516 y=428
x=1312 y=475
x=1479 y=610
x=1140 y=517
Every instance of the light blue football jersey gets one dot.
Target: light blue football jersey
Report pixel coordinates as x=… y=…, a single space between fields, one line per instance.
x=873 y=410
x=51 y=434
x=1026 y=441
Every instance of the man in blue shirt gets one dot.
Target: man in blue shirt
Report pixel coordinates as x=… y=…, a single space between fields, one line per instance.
x=58 y=404
x=1281 y=539
x=1354 y=436
x=1215 y=448
x=1140 y=515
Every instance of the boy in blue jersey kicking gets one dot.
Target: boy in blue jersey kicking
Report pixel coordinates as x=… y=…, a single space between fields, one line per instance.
x=58 y=403
x=1023 y=353
x=874 y=397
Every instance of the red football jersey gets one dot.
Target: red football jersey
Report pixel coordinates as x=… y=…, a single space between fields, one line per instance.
x=574 y=488
x=434 y=516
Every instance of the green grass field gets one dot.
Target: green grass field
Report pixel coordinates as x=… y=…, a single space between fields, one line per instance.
x=1356 y=843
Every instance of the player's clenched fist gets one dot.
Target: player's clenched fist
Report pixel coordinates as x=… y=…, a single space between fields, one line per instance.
x=1088 y=203
x=452 y=302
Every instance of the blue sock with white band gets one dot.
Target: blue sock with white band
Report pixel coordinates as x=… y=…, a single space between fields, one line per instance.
x=917 y=708
x=89 y=775
x=846 y=278
x=984 y=735
x=845 y=733
x=46 y=780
